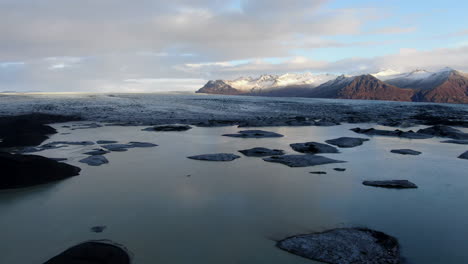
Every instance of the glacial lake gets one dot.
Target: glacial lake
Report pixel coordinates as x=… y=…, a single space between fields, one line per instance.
x=166 y=208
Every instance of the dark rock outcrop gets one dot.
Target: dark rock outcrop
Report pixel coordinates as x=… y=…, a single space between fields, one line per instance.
x=405 y=151
x=261 y=152
x=168 y=128
x=395 y=133
x=27 y=170
x=95 y=160
x=125 y=147
x=346 y=142
x=393 y=184
x=59 y=159
x=136 y=144
x=98 y=229
x=313 y=148
x=215 y=157
x=254 y=134
x=101 y=142
x=444 y=131
x=97 y=152
x=117 y=147
x=339 y=169
x=464 y=155
x=92 y=252
x=318 y=172
x=301 y=160
x=28 y=130
x=344 y=246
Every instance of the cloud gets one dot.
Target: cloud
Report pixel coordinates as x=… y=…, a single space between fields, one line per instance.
x=62 y=28
x=129 y=73
x=151 y=45
x=405 y=60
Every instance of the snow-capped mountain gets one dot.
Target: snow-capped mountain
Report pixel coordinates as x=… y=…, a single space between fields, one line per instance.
x=277 y=81
x=416 y=79
x=446 y=85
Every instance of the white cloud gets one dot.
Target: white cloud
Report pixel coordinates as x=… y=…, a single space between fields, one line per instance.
x=63 y=28
x=406 y=60
x=149 y=45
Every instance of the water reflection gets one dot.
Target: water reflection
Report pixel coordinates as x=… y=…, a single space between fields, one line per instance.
x=230 y=212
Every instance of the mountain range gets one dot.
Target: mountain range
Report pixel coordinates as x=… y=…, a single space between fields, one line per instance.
x=443 y=86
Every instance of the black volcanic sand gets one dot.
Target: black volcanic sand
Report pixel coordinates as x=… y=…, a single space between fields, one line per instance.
x=28 y=130
x=27 y=170
x=93 y=252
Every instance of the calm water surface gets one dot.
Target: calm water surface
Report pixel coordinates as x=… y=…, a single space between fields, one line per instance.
x=232 y=212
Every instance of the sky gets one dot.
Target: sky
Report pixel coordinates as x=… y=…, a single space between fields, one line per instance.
x=178 y=45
